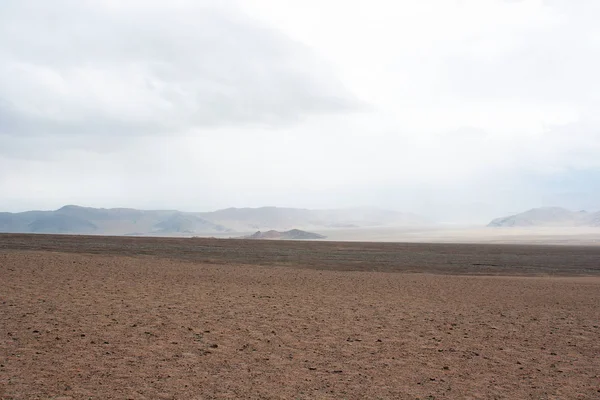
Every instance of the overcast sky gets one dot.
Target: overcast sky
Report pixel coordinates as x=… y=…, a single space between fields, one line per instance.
x=456 y=109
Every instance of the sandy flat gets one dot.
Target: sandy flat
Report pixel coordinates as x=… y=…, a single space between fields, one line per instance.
x=586 y=236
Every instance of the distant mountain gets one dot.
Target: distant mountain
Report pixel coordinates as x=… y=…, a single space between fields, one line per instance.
x=74 y=219
x=278 y=218
x=549 y=217
x=57 y=223
x=115 y=221
x=20 y=222
x=293 y=234
x=187 y=223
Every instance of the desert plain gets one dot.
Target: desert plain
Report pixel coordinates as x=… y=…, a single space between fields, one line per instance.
x=90 y=317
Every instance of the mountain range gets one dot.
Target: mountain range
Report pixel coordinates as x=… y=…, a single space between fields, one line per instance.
x=549 y=217
x=74 y=219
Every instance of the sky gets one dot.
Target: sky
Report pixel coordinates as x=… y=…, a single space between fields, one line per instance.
x=460 y=110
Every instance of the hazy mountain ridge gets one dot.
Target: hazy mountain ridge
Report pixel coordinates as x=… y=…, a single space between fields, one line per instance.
x=187 y=223
x=549 y=217
x=115 y=221
x=127 y=221
x=57 y=223
x=293 y=234
x=279 y=218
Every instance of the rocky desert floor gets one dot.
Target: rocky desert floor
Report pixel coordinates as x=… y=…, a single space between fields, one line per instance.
x=139 y=318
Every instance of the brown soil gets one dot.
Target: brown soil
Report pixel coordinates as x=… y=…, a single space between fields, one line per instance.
x=189 y=320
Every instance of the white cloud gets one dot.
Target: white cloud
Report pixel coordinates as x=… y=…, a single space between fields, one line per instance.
x=107 y=68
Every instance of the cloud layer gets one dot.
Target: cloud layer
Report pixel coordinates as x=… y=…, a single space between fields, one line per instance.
x=438 y=107
x=105 y=68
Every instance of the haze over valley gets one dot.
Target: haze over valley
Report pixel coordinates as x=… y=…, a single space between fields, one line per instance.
x=549 y=225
